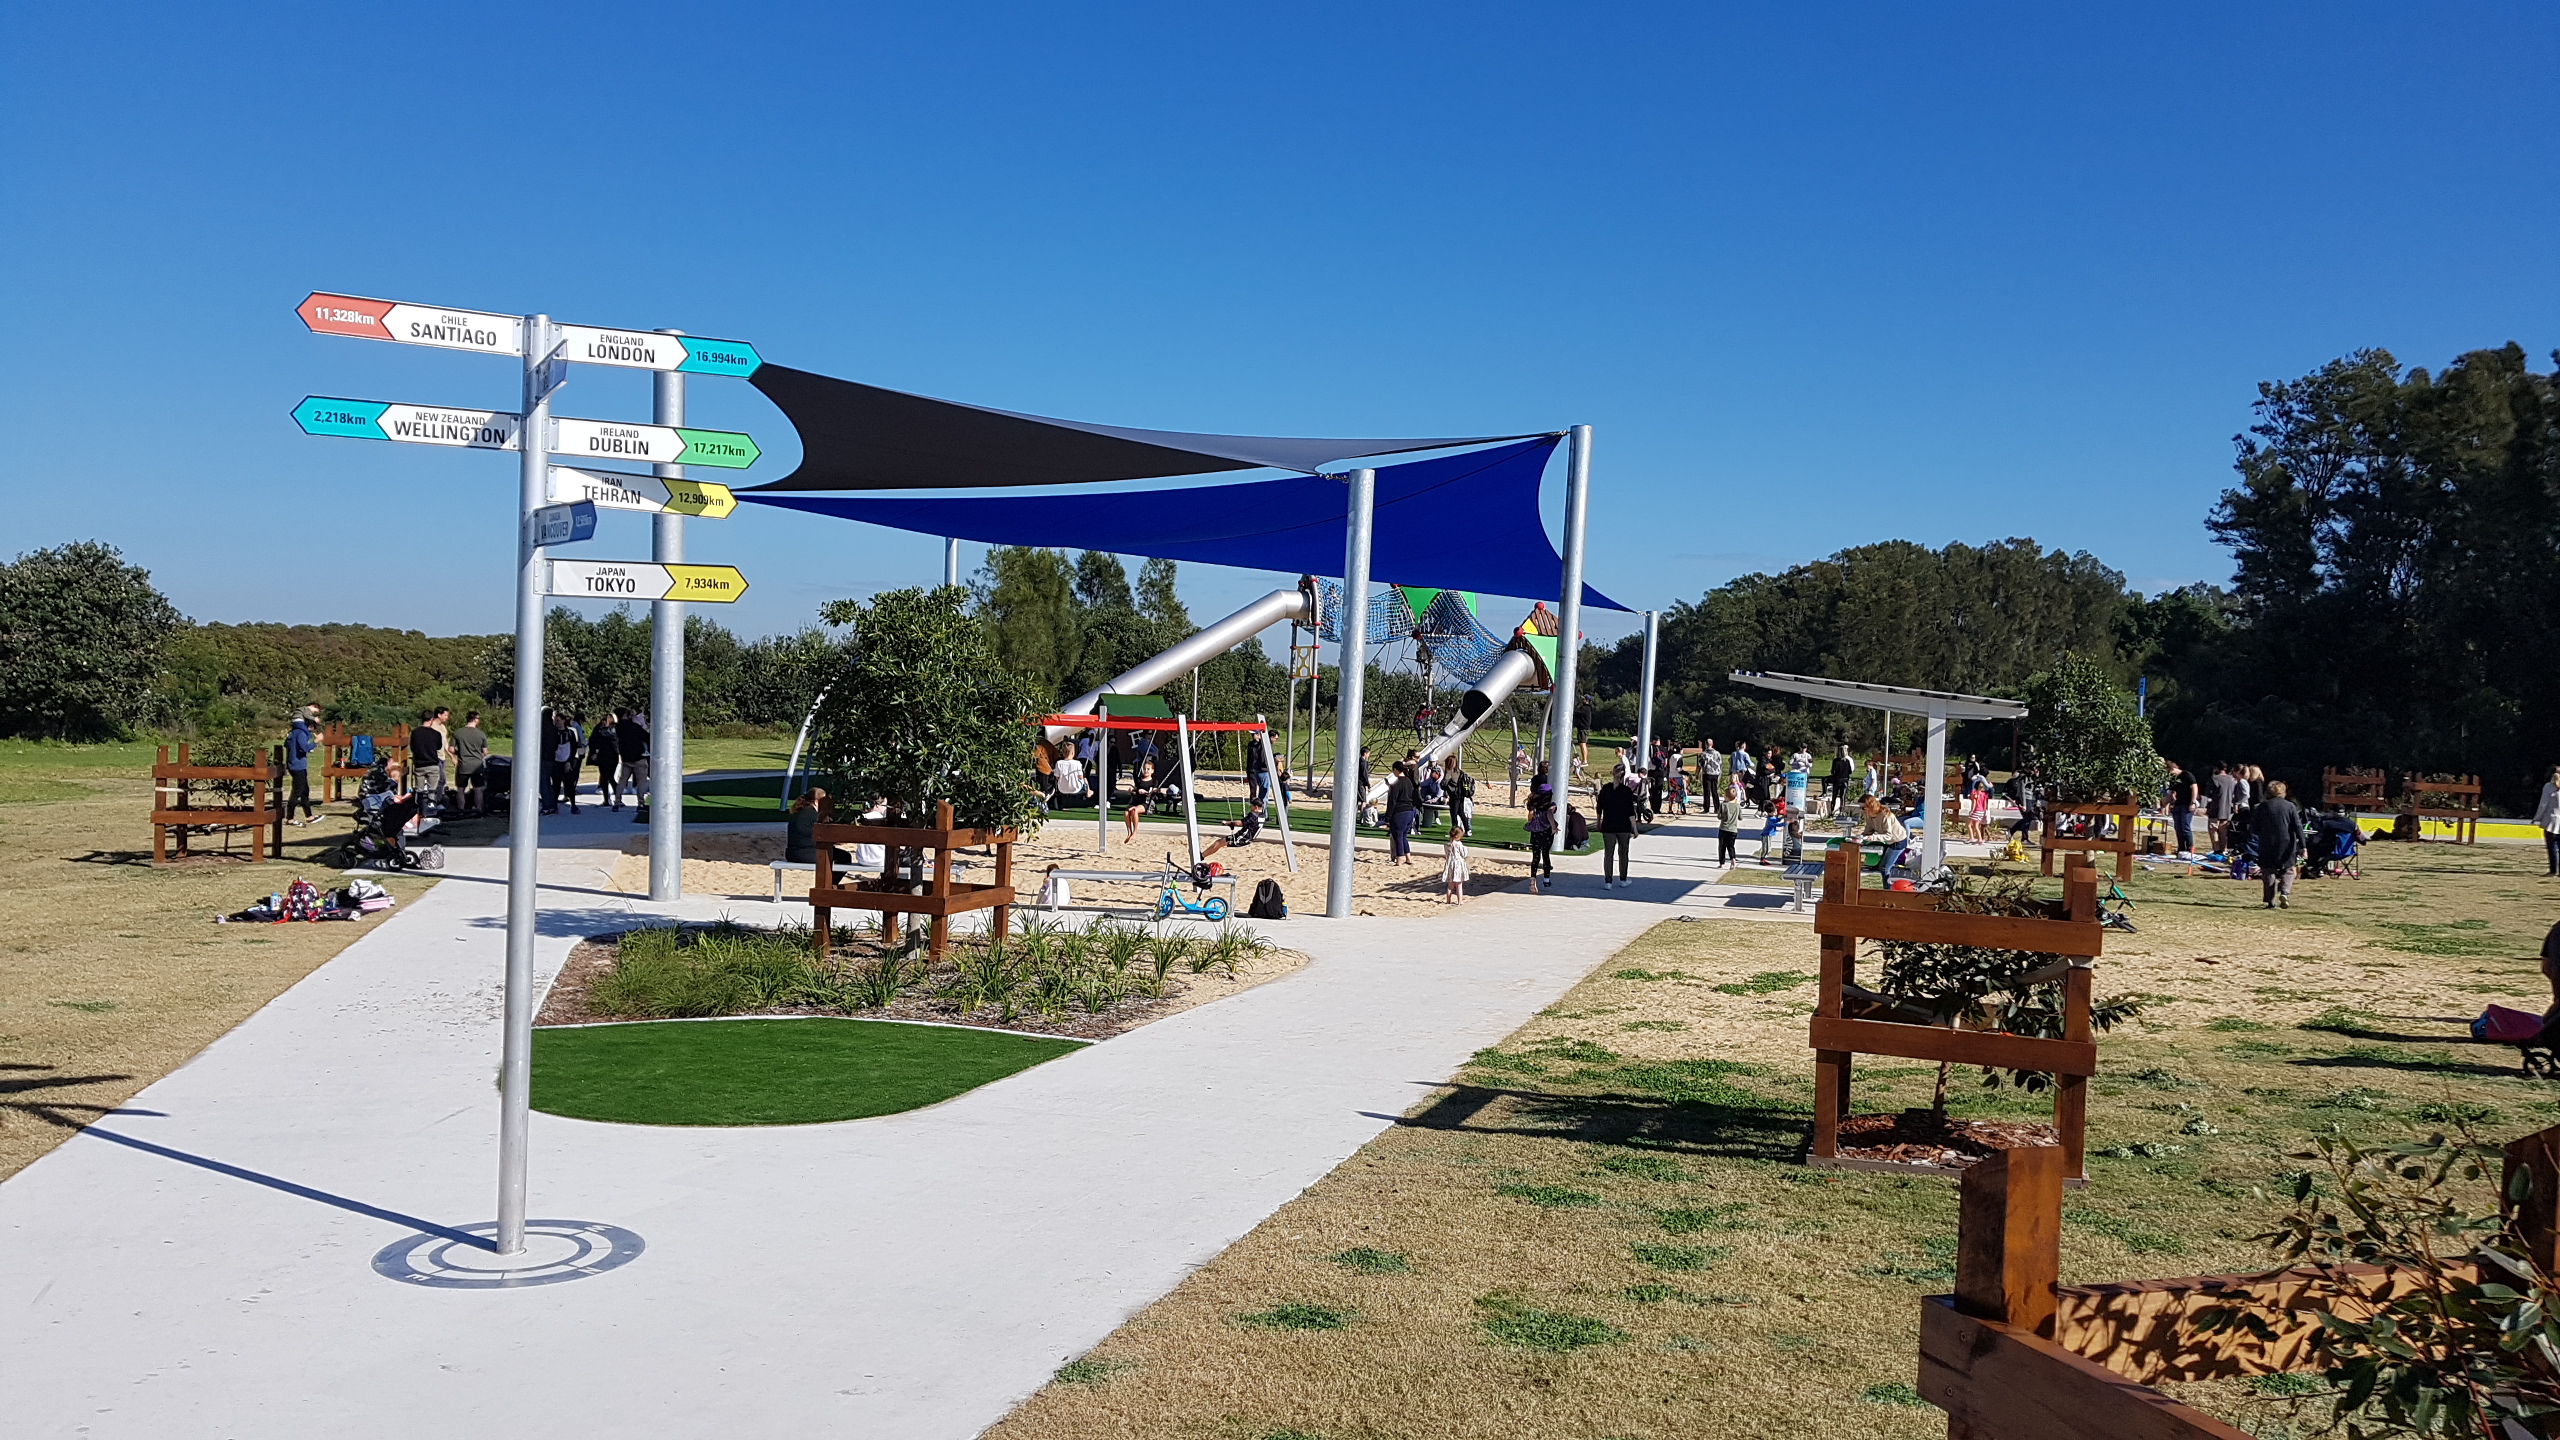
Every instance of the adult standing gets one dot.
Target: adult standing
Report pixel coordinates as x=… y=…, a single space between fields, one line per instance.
x=471 y=765
x=606 y=755
x=1616 y=802
x=566 y=747
x=545 y=773
x=2182 y=808
x=1461 y=788
x=1257 y=773
x=1655 y=778
x=426 y=756
x=2547 y=816
x=2276 y=827
x=631 y=739
x=1835 y=786
x=2220 y=801
x=1710 y=771
x=1404 y=811
x=1360 y=787
x=1542 y=829
x=298 y=745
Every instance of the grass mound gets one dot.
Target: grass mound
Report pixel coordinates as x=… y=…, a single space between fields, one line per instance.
x=768 y=1072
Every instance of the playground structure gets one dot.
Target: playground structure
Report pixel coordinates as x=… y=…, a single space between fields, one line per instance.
x=893 y=894
x=1849 y=1020
x=2015 y=1355
x=1449 y=640
x=176 y=816
x=1056 y=729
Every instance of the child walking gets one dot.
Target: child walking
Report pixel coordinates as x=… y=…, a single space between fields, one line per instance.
x=1453 y=867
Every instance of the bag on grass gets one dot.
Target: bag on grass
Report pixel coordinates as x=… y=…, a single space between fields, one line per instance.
x=426 y=857
x=1577 y=830
x=301 y=902
x=1268 y=902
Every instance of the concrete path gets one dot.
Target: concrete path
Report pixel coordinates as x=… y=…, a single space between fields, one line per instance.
x=200 y=1262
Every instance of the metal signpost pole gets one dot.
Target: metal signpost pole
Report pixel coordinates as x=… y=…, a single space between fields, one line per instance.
x=1577 y=496
x=666 y=670
x=524 y=799
x=1644 y=716
x=1349 y=694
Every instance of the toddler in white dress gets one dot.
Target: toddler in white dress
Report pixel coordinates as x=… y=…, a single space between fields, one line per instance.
x=1453 y=868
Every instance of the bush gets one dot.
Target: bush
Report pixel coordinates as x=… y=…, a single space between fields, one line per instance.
x=672 y=973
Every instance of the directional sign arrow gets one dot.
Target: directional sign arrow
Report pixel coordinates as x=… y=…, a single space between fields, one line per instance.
x=644 y=580
x=563 y=524
x=655 y=444
x=615 y=490
x=647 y=350
x=500 y=430
x=414 y=324
x=413 y=424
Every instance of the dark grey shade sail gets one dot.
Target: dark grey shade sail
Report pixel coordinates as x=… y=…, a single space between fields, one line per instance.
x=861 y=437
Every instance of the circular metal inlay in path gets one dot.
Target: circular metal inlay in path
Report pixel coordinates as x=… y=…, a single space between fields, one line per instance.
x=554 y=1250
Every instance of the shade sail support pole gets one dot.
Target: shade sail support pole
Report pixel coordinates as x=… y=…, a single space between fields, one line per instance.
x=1349 y=692
x=1644 y=716
x=950 y=562
x=1577 y=498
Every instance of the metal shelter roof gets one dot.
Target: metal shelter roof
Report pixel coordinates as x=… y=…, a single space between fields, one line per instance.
x=1900 y=700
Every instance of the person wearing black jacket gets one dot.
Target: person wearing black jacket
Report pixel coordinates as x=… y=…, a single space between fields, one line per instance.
x=1617 y=804
x=1404 y=811
x=605 y=753
x=2275 y=828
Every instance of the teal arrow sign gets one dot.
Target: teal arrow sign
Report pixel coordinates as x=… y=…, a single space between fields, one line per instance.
x=719 y=357
x=355 y=419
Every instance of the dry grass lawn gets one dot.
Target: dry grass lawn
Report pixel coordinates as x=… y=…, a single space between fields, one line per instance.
x=114 y=972
x=1602 y=1228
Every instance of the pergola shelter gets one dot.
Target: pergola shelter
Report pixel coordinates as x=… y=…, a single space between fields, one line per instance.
x=1937 y=706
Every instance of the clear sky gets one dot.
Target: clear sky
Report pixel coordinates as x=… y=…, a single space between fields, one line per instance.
x=1818 y=275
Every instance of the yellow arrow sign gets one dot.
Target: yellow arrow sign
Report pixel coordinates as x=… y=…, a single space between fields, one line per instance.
x=717 y=584
x=699 y=497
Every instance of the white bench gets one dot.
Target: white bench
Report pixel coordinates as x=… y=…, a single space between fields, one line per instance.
x=867 y=859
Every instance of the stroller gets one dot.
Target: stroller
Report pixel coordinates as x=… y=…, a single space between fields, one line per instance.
x=381 y=816
x=2336 y=845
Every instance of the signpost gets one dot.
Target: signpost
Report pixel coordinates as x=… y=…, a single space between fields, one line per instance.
x=367 y=319
x=644 y=580
x=556 y=505
x=616 y=490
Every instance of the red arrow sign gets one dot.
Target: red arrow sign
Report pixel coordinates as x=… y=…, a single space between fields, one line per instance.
x=346 y=315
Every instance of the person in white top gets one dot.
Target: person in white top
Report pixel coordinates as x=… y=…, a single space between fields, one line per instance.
x=1453 y=867
x=1069 y=773
x=2547 y=816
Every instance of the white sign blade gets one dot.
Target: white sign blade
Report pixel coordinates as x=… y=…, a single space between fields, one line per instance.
x=610 y=440
x=644 y=580
x=634 y=349
x=369 y=319
x=435 y=425
x=616 y=490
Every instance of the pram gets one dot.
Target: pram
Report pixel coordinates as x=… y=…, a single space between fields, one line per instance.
x=2531 y=1034
x=381 y=817
x=2336 y=847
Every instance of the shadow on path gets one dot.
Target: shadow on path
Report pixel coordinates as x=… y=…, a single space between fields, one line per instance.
x=358 y=1207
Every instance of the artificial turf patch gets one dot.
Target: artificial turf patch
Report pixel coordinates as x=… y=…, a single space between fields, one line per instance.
x=768 y=1072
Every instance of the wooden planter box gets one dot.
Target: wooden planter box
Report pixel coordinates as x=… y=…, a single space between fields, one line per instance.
x=2014 y=1355
x=175 y=815
x=1850 y=913
x=2444 y=797
x=2122 y=845
x=893 y=895
x=2359 y=791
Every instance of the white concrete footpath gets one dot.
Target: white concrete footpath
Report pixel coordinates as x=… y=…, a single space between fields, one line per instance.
x=199 y=1263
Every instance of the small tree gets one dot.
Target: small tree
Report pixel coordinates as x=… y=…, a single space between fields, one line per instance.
x=924 y=712
x=81 y=639
x=2090 y=741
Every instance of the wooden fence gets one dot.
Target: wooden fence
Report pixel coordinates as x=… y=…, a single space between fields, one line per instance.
x=2015 y=1355
x=2121 y=843
x=1849 y=1021
x=175 y=815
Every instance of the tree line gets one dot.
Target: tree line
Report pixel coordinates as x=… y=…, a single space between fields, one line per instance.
x=2395 y=537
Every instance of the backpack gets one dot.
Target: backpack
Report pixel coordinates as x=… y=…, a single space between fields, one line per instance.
x=426 y=857
x=1577 y=830
x=1268 y=902
x=301 y=902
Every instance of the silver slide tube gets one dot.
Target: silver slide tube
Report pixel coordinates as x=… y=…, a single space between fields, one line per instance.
x=1515 y=669
x=1206 y=644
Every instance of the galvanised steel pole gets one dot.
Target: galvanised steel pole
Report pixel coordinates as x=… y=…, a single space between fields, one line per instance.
x=1577 y=496
x=1350 y=694
x=1644 y=716
x=524 y=796
x=666 y=669
x=951 y=562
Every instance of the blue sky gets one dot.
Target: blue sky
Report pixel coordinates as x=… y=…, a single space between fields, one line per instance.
x=1818 y=276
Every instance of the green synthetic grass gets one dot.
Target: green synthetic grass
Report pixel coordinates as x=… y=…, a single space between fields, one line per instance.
x=768 y=1072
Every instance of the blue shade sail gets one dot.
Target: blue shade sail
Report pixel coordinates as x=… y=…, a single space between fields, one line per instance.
x=1457 y=522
